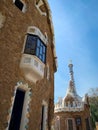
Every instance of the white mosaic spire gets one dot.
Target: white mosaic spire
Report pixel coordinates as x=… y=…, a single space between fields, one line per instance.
x=71 y=88
x=71 y=71
x=72 y=102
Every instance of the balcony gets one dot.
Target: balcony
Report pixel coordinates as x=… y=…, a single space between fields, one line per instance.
x=64 y=108
x=32 y=67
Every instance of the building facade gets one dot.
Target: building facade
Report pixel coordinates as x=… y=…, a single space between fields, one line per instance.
x=72 y=112
x=27 y=65
x=96 y=125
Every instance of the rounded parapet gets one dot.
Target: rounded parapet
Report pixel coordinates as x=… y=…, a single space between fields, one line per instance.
x=32 y=67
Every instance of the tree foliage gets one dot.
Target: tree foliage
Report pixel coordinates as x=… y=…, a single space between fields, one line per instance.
x=93 y=100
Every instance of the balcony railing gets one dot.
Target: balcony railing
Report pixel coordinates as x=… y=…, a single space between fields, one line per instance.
x=61 y=107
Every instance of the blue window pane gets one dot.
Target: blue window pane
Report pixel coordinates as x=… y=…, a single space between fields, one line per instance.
x=30 y=46
x=43 y=58
x=36 y=47
x=44 y=49
x=41 y=50
x=40 y=56
x=41 y=44
x=37 y=52
x=38 y=43
x=31 y=39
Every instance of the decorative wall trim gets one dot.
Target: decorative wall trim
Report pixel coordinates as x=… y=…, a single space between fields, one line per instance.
x=38 y=5
x=45 y=123
x=32 y=67
x=52 y=30
x=69 y=106
x=26 y=105
x=36 y=31
x=48 y=72
x=2 y=20
x=41 y=2
x=57 y=123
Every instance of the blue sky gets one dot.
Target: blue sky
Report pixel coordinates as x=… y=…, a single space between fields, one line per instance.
x=76 y=37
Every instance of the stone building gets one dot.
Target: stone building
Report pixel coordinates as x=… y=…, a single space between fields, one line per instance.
x=72 y=112
x=96 y=125
x=27 y=65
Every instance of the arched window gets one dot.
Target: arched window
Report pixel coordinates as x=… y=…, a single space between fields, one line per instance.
x=19 y=111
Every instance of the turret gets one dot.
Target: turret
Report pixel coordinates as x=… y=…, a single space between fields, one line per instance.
x=71 y=88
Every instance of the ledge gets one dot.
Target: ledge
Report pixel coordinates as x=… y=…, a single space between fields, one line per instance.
x=68 y=109
x=35 y=31
x=32 y=67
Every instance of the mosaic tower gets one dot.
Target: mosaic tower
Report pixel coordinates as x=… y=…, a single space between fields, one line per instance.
x=72 y=112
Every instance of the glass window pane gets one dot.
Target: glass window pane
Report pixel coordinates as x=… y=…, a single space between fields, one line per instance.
x=19 y=4
x=78 y=121
x=40 y=56
x=30 y=44
x=70 y=124
x=36 y=47
x=37 y=51
x=44 y=49
x=32 y=51
x=41 y=50
x=31 y=40
x=41 y=43
x=38 y=42
x=43 y=58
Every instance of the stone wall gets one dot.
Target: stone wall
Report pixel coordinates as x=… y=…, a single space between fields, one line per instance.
x=13 y=28
x=64 y=116
x=96 y=125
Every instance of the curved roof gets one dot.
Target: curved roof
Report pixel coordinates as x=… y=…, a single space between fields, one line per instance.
x=71 y=93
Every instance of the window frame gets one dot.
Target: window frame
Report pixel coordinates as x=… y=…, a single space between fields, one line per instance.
x=73 y=123
x=26 y=104
x=17 y=113
x=24 y=8
x=70 y=124
x=87 y=124
x=44 y=115
x=78 y=121
x=41 y=56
